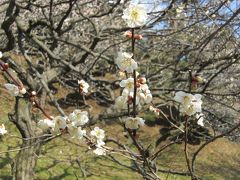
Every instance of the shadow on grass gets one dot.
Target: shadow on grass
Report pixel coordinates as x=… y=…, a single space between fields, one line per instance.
x=221 y=171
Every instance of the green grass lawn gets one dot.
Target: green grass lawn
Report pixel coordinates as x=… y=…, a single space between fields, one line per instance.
x=64 y=158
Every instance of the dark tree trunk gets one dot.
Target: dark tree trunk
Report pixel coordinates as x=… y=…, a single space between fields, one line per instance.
x=25 y=162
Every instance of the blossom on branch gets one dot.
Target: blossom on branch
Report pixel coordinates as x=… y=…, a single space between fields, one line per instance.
x=99 y=148
x=100 y=151
x=2 y=130
x=135 y=15
x=125 y=62
x=143 y=95
x=76 y=132
x=98 y=133
x=121 y=102
x=59 y=124
x=133 y=123
x=83 y=86
x=143 y=91
x=46 y=124
x=128 y=84
x=183 y=98
x=189 y=104
x=78 y=117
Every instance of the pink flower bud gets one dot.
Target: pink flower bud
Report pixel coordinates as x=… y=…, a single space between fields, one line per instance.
x=138 y=36
x=5 y=66
x=142 y=80
x=128 y=34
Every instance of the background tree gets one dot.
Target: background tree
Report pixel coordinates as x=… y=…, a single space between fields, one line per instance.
x=61 y=42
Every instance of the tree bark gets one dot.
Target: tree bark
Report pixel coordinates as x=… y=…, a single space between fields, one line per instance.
x=25 y=162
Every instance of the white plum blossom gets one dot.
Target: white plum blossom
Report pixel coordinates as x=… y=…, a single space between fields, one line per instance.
x=78 y=117
x=59 y=124
x=189 y=104
x=121 y=102
x=98 y=133
x=2 y=130
x=12 y=89
x=134 y=123
x=135 y=15
x=1 y=55
x=128 y=84
x=129 y=95
x=125 y=62
x=183 y=98
x=144 y=88
x=100 y=151
x=76 y=132
x=144 y=94
x=191 y=109
x=148 y=98
x=145 y=98
x=99 y=148
x=200 y=119
x=100 y=143
x=46 y=124
x=194 y=107
x=83 y=85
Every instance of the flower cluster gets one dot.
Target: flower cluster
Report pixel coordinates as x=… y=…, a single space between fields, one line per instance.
x=135 y=91
x=190 y=104
x=59 y=124
x=99 y=135
x=143 y=94
x=72 y=124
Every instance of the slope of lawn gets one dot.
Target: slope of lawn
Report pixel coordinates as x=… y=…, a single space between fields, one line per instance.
x=64 y=158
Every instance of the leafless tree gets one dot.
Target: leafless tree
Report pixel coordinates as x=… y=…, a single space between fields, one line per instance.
x=66 y=40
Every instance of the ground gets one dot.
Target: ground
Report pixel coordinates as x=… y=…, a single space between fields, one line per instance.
x=64 y=158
